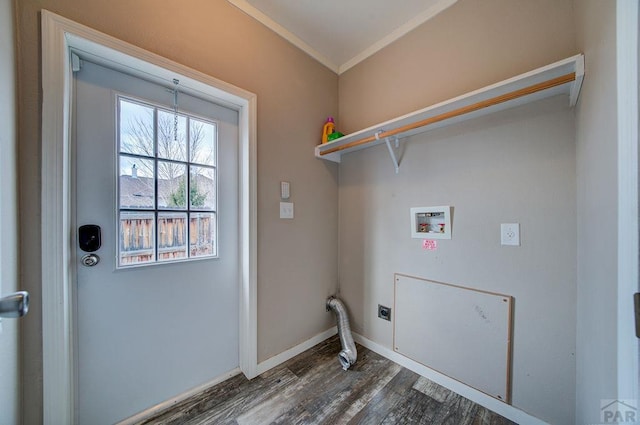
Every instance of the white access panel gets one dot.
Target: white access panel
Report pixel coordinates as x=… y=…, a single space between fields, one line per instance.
x=460 y=332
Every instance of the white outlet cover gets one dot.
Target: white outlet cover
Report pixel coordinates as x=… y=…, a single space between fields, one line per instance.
x=510 y=234
x=286 y=210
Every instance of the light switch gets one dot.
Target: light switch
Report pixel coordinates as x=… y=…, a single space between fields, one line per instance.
x=286 y=209
x=285 y=190
x=510 y=234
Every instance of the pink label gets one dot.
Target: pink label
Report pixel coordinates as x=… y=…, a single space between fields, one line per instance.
x=429 y=244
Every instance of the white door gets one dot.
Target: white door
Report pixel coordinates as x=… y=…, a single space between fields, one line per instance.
x=158 y=314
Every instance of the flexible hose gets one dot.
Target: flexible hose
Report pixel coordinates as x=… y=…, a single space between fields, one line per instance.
x=349 y=354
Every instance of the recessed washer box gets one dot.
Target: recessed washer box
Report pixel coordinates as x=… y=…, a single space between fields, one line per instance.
x=431 y=222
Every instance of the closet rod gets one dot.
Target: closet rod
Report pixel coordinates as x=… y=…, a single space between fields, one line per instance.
x=564 y=79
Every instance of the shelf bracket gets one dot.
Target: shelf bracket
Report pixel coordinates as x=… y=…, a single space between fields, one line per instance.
x=392 y=152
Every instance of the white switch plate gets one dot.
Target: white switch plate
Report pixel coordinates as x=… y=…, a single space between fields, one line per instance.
x=286 y=209
x=510 y=234
x=285 y=190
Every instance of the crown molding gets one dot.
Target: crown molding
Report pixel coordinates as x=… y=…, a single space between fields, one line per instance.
x=399 y=32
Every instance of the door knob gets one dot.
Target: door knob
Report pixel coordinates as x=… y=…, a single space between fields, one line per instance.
x=14 y=305
x=89 y=260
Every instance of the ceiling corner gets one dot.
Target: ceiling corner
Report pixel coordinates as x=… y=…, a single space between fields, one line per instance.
x=247 y=8
x=396 y=34
x=365 y=37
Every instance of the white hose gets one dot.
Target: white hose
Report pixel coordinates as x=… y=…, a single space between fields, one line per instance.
x=349 y=354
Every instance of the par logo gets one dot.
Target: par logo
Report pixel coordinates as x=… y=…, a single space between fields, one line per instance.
x=618 y=411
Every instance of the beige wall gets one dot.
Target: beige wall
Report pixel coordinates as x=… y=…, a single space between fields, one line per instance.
x=596 y=135
x=489 y=162
x=9 y=337
x=470 y=45
x=516 y=166
x=297 y=260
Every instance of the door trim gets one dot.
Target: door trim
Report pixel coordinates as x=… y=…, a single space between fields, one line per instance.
x=59 y=37
x=627 y=58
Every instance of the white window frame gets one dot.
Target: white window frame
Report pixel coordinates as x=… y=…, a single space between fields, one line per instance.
x=156 y=210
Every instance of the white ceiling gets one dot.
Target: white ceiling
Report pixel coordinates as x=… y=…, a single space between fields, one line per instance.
x=342 y=33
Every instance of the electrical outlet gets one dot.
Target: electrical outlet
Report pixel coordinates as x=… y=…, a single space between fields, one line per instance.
x=510 y=234
x=384 y=312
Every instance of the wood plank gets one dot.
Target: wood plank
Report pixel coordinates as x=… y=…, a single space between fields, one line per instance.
x=254 y=392
x=312 y=388
x=386 y=399
x=415 y=408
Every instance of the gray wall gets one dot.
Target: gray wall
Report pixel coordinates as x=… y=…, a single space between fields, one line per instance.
x=516 y=166
x=596 y=135
x=297 y=259
x=9 y=339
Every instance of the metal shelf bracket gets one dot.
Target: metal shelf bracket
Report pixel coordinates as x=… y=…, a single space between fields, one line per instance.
x=392 y=152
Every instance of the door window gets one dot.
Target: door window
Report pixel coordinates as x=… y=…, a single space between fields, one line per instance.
x=167 y=185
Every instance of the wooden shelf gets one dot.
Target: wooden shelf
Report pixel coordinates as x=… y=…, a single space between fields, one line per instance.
x=562 y=77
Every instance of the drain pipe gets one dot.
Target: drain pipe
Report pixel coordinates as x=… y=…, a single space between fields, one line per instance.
x=348 y=355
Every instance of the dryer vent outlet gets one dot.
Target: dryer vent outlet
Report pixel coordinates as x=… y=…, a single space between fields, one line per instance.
x=384 y=312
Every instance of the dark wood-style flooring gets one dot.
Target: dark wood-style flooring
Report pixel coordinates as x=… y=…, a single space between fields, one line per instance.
x=312 y=388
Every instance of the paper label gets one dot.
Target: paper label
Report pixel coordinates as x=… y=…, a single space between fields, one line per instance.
x=429 y=244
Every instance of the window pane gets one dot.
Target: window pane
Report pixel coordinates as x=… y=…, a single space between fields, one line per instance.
x=137 y=245
x=136 y=128
x=172 y=144
x=203 y=188
x=137 y=187
x=172 y=185
x=202 y=142
x=172 y=236
x=202 y=231
x=167 y=185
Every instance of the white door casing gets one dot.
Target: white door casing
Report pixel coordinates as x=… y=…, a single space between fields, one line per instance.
x=627 y=57
x=9 y=328
x=59 y=36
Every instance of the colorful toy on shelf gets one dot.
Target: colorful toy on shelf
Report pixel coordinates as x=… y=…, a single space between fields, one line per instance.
x=333 y=136
x=329 y=132
x=329 y=128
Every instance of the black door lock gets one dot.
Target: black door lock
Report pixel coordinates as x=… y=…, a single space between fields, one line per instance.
x=89 y=238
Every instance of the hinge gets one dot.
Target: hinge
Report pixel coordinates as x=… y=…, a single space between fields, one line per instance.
x=76 y=62
x=636 y=309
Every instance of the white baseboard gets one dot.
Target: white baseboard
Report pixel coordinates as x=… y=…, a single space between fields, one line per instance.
x=458 y=387
x=261 y=368
x=278 y=359
x=154 y=410
x=501 y=408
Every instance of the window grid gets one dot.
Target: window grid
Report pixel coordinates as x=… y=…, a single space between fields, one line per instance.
x=198 y=222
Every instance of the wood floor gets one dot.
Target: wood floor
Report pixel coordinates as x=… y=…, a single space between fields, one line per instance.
x=312 y=388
